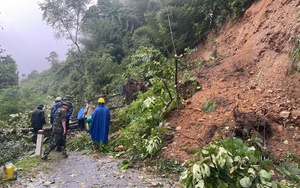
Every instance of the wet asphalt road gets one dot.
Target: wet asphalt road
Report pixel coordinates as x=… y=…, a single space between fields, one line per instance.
x=84 y=171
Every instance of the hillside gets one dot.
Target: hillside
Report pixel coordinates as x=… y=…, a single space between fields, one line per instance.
x=251 y=71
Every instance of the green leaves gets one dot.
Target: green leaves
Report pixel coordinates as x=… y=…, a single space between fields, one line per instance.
x=8 y=72
x=64 y=16
x=217 y=167
x=265 y=178
x=246 y=182
x=209 y=106
x=153 y=145
x=149 y=102
x=295 y=56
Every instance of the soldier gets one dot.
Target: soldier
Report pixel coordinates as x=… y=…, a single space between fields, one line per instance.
x=67 y=98
x=59 y=130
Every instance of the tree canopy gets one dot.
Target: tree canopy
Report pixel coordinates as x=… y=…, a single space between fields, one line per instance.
x=8 y=72
x=117 y=40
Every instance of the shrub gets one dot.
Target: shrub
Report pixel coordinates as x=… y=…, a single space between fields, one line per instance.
x=218 y=167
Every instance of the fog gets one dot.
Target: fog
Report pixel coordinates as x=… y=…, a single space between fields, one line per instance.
x=25 y=37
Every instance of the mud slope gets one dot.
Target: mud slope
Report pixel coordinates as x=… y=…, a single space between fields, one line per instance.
x=250 y=71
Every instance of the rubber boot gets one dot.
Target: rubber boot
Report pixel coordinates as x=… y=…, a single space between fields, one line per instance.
x=64 y=152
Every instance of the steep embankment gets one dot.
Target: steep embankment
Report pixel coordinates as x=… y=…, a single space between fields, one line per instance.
x=251 y=71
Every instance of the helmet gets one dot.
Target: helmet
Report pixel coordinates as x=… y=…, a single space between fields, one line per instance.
x=58 y=99
x=67 y=98
x=68 y=103
x=40 y=106
x=101 y=100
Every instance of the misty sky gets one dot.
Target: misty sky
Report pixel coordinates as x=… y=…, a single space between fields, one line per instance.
x=26 y=37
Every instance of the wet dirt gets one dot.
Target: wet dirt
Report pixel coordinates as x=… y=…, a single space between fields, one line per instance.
x=88 y=171
x=251 y=70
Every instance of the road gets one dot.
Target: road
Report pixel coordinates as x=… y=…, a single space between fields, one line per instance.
x=89 y=171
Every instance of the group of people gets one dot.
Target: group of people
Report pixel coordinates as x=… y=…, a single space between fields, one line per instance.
x=84 y=116
x=95 y=121
x=60 y=116
x=61 y=112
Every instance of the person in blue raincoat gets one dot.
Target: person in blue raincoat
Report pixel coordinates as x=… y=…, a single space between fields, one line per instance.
x=80 y=119
x=100 y=123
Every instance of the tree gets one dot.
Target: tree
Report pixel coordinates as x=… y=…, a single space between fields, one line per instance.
x=66 y=16
x=33 y=74
x=8 y=72
x=109 y=24
x=53 y=60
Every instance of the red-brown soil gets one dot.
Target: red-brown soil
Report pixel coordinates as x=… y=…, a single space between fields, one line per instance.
x=251 y=71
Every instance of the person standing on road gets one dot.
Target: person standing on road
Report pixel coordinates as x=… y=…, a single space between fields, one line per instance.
x=80 y=118
x=70 y=112
x=59 y=130
x=37 y=121
x=100 y=123
x=56 y=106
x=88 y=111
x=66 y=99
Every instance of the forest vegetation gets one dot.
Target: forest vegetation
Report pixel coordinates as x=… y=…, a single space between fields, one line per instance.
x=136 y=54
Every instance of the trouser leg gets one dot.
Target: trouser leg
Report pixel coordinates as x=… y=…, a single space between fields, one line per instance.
x=52 y=145
x=49 y=149
x=34 y=137
x=59 y=145
x=81 y=124
x=63 y=146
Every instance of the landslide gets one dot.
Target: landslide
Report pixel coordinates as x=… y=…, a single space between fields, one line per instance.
x=251 y=71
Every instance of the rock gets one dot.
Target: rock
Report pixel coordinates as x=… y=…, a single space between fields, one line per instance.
x=221 y=79
x=285 y=114
x=295 y=114
x=188 y=102
x=156 y=184
x=259 y=90
x=280 y=128
x=178 y=128
x=120 y=148
x=252 y=86
x=296 y=137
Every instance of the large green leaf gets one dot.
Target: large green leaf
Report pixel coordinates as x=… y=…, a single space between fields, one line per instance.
x=246 y=182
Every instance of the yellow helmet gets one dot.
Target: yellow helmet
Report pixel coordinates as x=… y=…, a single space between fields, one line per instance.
x=101 y=100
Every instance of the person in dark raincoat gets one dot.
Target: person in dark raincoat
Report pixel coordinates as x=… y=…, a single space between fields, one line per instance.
x=37 y=121
x=100 y=123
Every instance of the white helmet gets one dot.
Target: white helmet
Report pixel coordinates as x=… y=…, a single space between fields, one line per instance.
x=58 y=99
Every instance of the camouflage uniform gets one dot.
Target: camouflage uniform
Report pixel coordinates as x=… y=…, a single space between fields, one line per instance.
x=58 y=139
